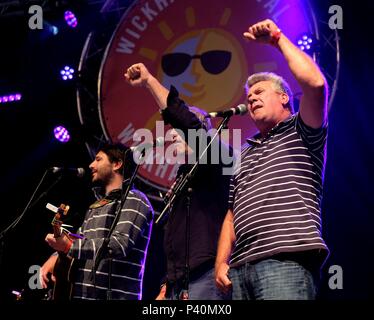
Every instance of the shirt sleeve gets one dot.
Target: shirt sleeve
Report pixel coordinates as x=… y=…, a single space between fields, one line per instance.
x=314 y=139
x=134 y=224
x=177 y=113
x=231 y=193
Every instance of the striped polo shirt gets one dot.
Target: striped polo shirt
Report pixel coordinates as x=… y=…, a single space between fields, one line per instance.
x=276 y=193
x=129 y=243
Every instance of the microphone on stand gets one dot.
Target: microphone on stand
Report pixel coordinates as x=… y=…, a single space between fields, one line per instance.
x=241 y=109
x=158 y=142
x=79 y=172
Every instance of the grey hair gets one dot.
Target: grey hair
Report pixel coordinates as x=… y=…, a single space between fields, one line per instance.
x=278 y=82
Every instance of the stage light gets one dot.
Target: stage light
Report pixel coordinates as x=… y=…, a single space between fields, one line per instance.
x=10 y=98
x=67 y=73
x=71 y=19
x=61 y=134
x=305 y=43
x=53 y=30
x=49 y=28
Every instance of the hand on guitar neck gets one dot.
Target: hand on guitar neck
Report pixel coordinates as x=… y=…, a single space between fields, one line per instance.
x=60 y=244
x=59 y=240
x=59 y=265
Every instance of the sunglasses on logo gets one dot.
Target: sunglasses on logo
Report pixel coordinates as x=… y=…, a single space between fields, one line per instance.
x=213 y=62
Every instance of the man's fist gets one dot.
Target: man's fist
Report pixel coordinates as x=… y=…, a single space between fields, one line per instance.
x=137 y=75
x=264 y=31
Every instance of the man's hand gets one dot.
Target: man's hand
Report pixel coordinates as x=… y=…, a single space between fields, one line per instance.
x=137 y=75
x=47 y=269
x=61 y=244
x=264 y=32
x=222 y=280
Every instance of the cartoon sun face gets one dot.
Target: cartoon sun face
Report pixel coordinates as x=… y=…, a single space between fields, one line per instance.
x=204 y=65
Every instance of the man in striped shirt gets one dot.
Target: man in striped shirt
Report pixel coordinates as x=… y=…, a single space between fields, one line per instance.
x=128 y=243
x=270 y=245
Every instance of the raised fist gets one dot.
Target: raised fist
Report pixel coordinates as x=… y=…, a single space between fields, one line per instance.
x=264 y=32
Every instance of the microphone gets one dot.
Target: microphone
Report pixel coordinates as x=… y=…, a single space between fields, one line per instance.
x=240 y=109
x=158 y=142
x=79 y=172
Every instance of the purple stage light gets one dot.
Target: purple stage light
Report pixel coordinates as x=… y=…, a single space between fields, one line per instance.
x=70 y=19
x=61 y=134
x=67 y=73
x=10 y=98
x=305 y=43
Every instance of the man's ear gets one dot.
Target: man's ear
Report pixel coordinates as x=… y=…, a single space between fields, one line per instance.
x=284 y=98
x=117 y=165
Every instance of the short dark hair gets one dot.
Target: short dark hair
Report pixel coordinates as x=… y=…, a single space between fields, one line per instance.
x=117 y=152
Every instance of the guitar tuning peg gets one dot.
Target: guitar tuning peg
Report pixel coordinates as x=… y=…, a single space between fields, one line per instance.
x=67 y=225
x=65 y=209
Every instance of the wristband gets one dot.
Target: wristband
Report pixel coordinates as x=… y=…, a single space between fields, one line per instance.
x=275 y=36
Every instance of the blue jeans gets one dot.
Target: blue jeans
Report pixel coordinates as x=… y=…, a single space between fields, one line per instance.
x=202 y=288
x=272 y=279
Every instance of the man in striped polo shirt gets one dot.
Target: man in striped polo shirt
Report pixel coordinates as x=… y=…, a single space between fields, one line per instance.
x=270 y=245
x=128 y=243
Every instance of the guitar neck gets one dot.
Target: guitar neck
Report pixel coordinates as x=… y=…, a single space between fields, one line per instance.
x=56 y=228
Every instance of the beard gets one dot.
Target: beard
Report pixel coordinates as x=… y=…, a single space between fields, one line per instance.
x=101 y=179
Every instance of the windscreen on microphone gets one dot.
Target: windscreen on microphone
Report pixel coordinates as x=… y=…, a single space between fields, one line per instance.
x=241 y=109
x=79 y=172
x=158 y=142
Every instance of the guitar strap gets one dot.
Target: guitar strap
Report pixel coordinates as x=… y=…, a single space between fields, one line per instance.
x=111 y=197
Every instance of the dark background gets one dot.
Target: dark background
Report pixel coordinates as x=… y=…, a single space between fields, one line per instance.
x=29 y=63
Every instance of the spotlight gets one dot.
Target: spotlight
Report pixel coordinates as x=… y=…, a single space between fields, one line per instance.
x=305 y=43
x=61 y=134
x=71 y=19
x=67 y=73
x=10 y=98
x=53 y=30
x=50 y=28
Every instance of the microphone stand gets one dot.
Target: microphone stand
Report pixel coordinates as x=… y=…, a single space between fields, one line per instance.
x=29 y=205
x=188 y=177
x=105 y=244
x=184 y=295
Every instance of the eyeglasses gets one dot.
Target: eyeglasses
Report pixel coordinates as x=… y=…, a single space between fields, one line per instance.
x=213 y=62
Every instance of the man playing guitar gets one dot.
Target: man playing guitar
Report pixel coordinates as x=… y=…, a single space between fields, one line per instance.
x=128 y=244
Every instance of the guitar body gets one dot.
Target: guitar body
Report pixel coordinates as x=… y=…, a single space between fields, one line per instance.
x=63 y=286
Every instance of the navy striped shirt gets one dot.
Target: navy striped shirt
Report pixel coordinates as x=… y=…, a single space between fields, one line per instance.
x=129 y=243
x=276 y=193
